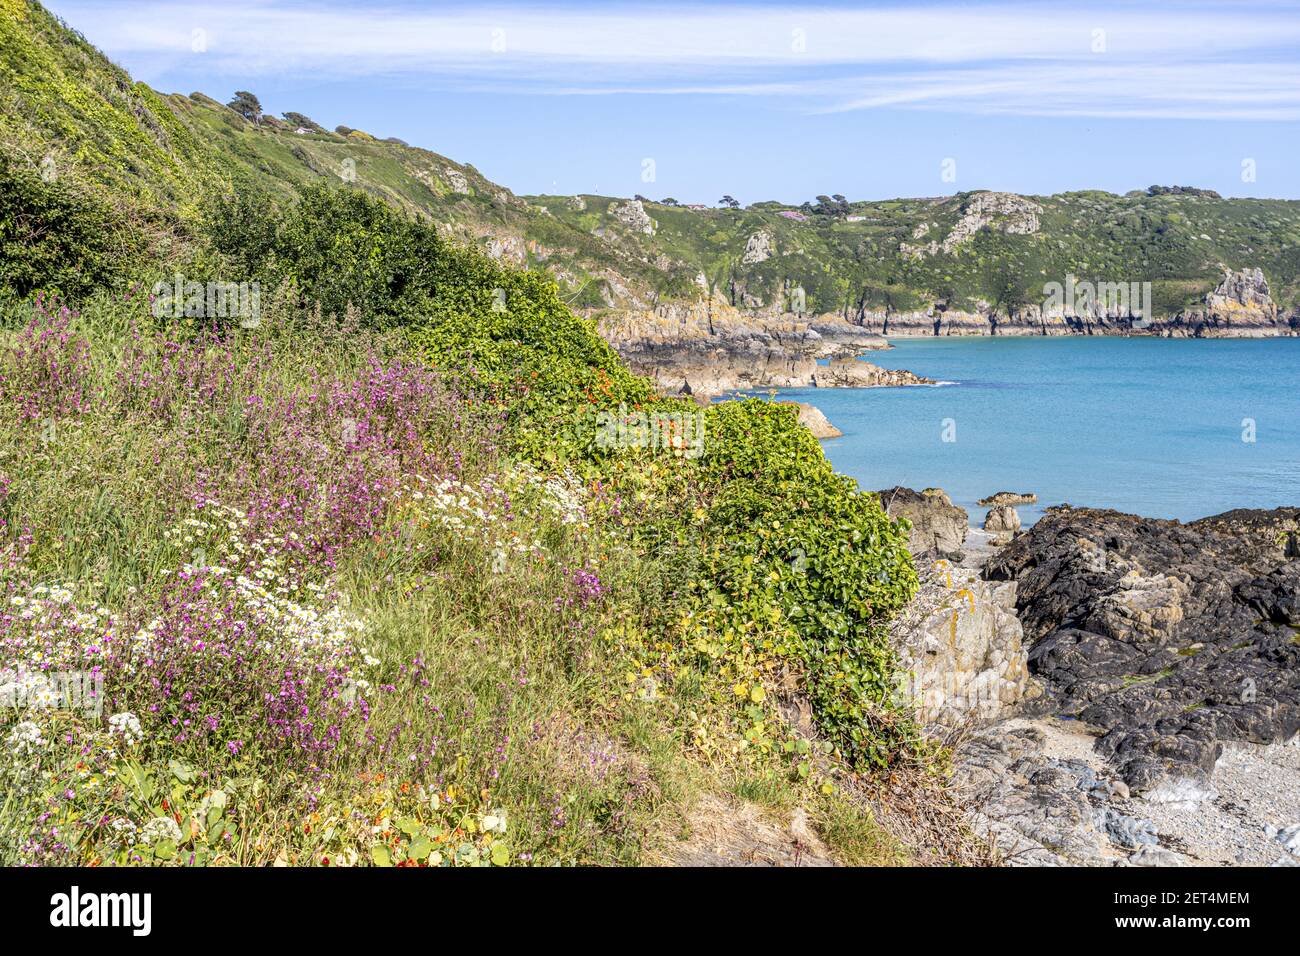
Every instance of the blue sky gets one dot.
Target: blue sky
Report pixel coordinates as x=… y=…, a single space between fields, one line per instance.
x=762 y=100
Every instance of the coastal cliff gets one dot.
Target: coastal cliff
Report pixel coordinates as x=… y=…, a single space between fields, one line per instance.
x=710 y=346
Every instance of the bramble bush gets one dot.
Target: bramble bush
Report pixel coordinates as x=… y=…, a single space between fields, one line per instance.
x=55 y=237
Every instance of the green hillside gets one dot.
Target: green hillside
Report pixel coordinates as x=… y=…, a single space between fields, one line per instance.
x=163 y=157
x=854 y=258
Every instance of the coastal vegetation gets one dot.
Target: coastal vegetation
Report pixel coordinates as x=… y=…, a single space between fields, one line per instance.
x=349 y=576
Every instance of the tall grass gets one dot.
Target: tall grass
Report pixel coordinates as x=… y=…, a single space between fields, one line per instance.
x=307 y=572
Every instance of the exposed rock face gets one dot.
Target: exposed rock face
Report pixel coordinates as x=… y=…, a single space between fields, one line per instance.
x=1044 y=794
x=811 y=417
x=1172 y=638
x=852 y=373
x=508 y=248
x=1247 y=289
x=959 y=643
x=938 y=526
x=1008 y=498
x=1014 y=215
x=1239 y=307
x=759 y=248
x=710 y=347
x=456 y=180
x=633 y=215
x=1041 y=806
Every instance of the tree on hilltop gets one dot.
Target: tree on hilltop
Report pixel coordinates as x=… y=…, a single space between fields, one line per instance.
x=247 y=105
x=303 y=121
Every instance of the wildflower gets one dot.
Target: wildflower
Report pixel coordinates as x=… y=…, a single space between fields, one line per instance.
x=160 y=828
x=25 y=738
x=127 y=726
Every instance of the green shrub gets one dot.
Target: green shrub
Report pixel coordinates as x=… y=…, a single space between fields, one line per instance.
x=803 y=540
x=54 y=237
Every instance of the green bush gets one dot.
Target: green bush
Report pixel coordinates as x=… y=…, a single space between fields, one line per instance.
x=802 y=539
x=54 y=237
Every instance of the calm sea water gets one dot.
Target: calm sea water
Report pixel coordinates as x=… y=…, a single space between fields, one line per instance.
x=1149 y=426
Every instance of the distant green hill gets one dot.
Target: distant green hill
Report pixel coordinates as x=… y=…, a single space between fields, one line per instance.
x=163 y=156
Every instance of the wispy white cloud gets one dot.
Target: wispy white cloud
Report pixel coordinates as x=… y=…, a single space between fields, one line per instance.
x=1182 y=59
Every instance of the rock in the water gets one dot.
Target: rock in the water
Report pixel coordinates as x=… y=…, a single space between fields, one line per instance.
x=1003 y=521
x=853 y=373
x=1008 y=498
x=811 y=417
x=937 y=524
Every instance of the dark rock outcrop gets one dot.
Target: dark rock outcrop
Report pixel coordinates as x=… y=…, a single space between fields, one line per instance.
x=1172 y=637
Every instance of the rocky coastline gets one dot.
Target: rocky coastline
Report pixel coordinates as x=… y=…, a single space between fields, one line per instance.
x=1240 y=306
x=1133 y=684
x=710 y=348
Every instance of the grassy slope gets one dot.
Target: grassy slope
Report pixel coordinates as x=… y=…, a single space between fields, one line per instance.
x=1180 y=243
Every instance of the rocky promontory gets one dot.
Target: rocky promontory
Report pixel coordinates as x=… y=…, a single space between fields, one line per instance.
x=812 y=418
x=1135 y=683
x=1172 y=638
x=710 y=348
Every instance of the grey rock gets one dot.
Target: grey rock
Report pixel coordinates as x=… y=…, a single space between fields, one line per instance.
x=1008 y=498
x=1156 y=856
x=812 y=418
x=937 y=524
x=1126 y=831
x=1003 y=520
x=960 y=649
x=1172 y=637
x=1290 y=838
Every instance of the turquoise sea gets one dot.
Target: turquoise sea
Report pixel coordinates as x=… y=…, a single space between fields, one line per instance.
x=1157 y=427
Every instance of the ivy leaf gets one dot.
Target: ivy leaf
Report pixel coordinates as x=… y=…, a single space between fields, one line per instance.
x=380 y=856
